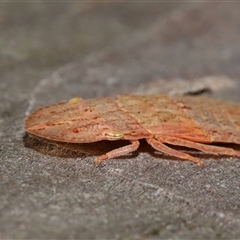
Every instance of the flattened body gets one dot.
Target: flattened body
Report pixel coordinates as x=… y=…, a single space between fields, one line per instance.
x=179 y=120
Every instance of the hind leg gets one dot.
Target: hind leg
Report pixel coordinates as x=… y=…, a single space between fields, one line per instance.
x=158 y=145
x=217 y=150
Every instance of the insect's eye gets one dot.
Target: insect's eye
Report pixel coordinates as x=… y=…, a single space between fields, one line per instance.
x=113 y=135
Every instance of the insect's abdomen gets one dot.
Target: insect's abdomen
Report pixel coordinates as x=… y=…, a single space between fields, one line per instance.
x=160 y=115
x=219 y=119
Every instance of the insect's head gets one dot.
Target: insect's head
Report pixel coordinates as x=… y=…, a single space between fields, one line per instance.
x=71 y=122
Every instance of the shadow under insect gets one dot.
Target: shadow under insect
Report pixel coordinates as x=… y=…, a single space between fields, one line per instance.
x=72 y=150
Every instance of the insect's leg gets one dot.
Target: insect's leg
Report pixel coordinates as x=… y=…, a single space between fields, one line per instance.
x=118 y=152
x=202 y=147
x=158 y=145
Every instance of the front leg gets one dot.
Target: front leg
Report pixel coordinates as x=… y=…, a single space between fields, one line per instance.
x=118 y=152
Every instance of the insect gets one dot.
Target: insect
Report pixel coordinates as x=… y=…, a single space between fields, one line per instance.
x=187 y=121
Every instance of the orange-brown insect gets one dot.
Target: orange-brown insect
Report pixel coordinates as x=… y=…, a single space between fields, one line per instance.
x=181 y=120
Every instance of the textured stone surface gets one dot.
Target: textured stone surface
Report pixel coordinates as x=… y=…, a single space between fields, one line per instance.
x=54 y=51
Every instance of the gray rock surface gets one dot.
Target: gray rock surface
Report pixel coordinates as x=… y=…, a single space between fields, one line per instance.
x=54 y=51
